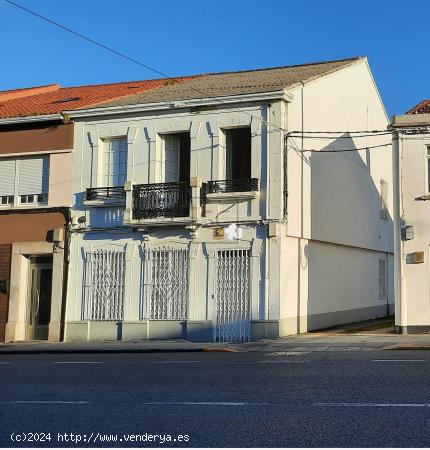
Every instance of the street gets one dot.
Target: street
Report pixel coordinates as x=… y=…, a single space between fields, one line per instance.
x=315 y=399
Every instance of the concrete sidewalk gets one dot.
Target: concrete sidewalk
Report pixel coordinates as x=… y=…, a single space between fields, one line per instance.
x=309 y=342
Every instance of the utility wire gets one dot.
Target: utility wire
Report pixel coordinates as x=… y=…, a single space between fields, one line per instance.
x=123 y=55
x=370 y=132
x=153 y=69
x=343 y=150
x=336 y=138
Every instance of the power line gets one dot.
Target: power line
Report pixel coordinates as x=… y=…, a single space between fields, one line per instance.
x=313 y=150
x=370 y=132
x=337 y=137
x=123 y=55
x=148 y=67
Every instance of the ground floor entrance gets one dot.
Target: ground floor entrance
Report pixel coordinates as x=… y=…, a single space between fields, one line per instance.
x=39 y=297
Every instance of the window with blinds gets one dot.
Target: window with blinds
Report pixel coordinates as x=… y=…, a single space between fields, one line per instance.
x=24 y=180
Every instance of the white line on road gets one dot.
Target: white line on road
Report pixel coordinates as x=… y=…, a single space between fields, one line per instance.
x=376 y=405
x=206 y=403
x=5 y=362
x=281 y=361
x=176 y=362
x=77 y=362
x=399 y=360
x=49 y=402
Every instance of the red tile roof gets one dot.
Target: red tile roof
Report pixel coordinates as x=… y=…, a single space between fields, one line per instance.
x=422 y=108
x=53 y=99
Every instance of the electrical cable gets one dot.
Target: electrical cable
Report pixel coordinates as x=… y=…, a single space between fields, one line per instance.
x=123 y=55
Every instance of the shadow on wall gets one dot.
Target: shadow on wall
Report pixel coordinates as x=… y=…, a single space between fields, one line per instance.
x=347 y=208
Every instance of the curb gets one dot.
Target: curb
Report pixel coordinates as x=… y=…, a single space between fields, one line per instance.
x=220 y=349
x=112 y=351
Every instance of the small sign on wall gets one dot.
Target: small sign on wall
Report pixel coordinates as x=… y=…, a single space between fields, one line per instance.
x=218 y=234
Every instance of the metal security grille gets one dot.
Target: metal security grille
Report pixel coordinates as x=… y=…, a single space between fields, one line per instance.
x=233 y=315
x=104 y=285
x=165 y=284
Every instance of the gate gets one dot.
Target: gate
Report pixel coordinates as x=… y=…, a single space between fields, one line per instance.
x=104 y=285
x=165 y=284
x=232 y=310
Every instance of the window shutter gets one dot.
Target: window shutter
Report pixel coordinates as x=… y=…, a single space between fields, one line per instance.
x=33 y=175
x=7 y=177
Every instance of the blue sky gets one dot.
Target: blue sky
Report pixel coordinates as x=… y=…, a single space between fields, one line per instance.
x=196 y=36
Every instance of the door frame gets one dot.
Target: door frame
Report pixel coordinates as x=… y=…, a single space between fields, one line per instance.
x=32 y=267
x=17 y=323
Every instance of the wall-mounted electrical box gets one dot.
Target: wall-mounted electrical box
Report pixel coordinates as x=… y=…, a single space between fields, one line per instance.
x=407 y=233
x=415 y=258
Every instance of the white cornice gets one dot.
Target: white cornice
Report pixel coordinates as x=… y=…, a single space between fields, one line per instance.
x=170 y=105
x=41 y=118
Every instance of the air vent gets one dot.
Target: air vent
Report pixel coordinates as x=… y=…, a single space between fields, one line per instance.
x=69 y=99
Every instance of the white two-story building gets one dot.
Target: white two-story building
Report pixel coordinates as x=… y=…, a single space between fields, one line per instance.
x=198 y=214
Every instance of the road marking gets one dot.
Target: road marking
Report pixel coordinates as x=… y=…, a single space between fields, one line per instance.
x=176 y=362
x=49 y=402
x=399 y=360
x=206 y=403
x=5 y=362
x=77 y=362
x=282 y=361
x=376 y=405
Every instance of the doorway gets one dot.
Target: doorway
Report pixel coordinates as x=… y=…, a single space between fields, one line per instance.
x=39 y=297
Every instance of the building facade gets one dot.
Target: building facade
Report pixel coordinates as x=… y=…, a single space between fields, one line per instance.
x=35 y=161
x=198 y=211
x=36 y=145
x=411 y=164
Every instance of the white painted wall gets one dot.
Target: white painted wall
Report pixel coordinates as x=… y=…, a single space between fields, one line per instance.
x=335 y=198
x=416 y=286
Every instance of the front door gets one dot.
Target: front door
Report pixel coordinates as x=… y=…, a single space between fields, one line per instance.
x=40 y=286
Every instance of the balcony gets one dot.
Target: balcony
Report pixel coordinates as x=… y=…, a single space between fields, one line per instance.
x=170 y=200
x=229 y=192
x=105 y=193
x=226 y=186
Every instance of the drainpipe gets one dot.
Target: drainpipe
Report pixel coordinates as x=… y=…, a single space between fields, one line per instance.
x=399 y=299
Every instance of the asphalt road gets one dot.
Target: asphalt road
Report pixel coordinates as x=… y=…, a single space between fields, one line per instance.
x=322 y=399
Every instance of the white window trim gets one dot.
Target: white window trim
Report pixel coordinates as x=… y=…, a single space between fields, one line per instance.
x=106 y=141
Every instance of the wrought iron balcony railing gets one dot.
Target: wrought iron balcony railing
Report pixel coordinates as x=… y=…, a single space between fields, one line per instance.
x=242 y=185
x=161 y=200
x=103 y=193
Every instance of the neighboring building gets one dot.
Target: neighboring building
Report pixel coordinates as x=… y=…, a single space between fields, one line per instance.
x=411 y=170
x=36 y=143
x=191 y=217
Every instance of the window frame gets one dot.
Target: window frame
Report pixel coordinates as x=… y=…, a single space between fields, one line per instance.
x=15 y=200
x=106 y=167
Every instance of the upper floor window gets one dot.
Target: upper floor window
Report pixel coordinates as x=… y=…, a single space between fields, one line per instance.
x=238 y=153
x=24 y=181
x=115 y=162
x=176 y=160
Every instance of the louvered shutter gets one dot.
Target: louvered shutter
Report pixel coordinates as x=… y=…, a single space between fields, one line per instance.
x=33 y=175
x=7 y=177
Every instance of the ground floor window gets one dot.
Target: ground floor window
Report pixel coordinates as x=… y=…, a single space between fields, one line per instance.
x=104 y=285
x=165 y=276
